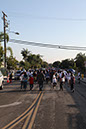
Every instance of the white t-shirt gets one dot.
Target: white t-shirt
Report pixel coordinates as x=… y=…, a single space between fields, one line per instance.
x=54 y=79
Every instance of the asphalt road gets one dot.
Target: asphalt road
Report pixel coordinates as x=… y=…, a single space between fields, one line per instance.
x=49 y=109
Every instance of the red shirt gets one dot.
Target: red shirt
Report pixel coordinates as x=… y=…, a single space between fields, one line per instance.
x=31 y=80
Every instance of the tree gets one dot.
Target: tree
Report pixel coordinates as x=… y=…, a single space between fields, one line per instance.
x=50 y=65
x=1 y=55
x=79 y=60
x=72 y=64
x=2 y=37
x=11 y=63
x=21 y=64
x=25 y=53
x=33 y=61
x=10 y=50
x=45 y=64
x=67 y=64
x=25 y=65
x=1 y=48
x=56 y=64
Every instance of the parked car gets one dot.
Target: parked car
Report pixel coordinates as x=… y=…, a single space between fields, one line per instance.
x=17 y=74
x=1 y=80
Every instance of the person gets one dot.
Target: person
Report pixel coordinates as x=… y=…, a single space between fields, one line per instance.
x=58 y=75
x=47 y=76
x=54 y=80
x=68 y=78
x=40 y=79
x=25 y=77
x=35 y=76
x=79 y=75
x=21 y=79
x=72 y=82
x=31 y=81
x=62 y=81
x=10 y=78
x=51 y=75
x=82 y=75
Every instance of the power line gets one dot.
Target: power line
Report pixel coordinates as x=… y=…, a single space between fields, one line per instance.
x=45 y=17
x=47 y=45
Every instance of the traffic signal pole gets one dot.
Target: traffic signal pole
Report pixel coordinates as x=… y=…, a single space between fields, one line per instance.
x=4 y=21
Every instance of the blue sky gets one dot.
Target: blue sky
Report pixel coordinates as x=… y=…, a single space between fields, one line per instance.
x=40 y=21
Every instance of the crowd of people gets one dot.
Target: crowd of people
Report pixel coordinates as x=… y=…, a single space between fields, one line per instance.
x=48 y=75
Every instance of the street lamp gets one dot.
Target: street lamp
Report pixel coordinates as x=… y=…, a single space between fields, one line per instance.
x=17 y=33
x=5 y=23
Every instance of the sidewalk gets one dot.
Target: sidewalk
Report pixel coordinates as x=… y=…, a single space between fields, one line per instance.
x=83 y=80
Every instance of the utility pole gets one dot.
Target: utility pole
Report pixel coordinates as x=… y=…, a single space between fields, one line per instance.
x=4 y=21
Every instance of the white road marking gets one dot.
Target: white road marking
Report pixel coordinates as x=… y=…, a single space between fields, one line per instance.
x=12 y=104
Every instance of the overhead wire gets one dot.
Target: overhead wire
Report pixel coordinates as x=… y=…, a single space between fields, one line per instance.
x=17 y=15
x=47 y=45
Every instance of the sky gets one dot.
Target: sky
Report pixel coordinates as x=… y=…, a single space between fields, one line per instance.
x=59 y=22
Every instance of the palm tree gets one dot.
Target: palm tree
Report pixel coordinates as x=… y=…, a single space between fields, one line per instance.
x=1 y=54
x=25 y=53
x=2 y=37
x=1 y=48
x=10 y=50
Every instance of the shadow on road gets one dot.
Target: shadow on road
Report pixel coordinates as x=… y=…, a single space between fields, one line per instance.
x=77 y=120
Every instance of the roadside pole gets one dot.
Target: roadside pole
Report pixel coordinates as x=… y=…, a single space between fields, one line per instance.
x=4 y=21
